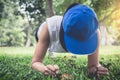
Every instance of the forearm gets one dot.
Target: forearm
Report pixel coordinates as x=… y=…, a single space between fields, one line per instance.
x=39 y=54
x=94 y=66
x=93 y=60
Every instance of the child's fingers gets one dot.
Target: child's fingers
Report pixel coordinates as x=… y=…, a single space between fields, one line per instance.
x=102 y=72
x=46 y=73
x=49 y=70
x=102 y=69
x=56 y=68
x=51 y=67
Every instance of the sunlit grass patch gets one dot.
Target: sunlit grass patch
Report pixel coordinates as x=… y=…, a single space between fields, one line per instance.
x=106 y=50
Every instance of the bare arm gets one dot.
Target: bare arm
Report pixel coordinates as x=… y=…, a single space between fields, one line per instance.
x=39 y=54
x=93 y=60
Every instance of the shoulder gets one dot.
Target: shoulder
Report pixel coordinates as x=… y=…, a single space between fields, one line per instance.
x=44 y=35
x=56 y=17
x=54 y=21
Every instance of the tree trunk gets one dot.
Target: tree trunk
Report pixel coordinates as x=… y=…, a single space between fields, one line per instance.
x=49 y=8
x=105 y=39
x=28 y=33
x=28 y=41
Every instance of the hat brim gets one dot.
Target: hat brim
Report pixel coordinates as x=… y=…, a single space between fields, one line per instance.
x=81 y=47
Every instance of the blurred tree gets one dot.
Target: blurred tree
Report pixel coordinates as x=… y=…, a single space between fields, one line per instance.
x=105 y=10
x=49 y=8
x=10 y=26
x=1 y=9
x=19 y=31
x=34 y=11
x=114 y=22
x=109 y=18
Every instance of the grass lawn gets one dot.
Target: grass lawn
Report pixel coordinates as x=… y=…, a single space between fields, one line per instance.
x=15 y=64
x=104 y=50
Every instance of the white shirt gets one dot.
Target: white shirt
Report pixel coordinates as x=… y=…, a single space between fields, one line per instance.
x=54 y=24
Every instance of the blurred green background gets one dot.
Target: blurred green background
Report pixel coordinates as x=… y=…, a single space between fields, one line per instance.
x=20 y=18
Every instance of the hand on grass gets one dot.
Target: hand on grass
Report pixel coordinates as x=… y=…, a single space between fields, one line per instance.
x=47 y=70
x=51 y=70
x=98 y=71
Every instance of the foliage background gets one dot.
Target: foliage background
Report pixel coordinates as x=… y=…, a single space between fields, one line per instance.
x=19 y=19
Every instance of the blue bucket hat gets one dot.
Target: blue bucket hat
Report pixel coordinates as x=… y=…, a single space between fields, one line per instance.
x=80 y=26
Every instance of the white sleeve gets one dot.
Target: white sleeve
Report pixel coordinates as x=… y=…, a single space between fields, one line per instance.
x=40 y=28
